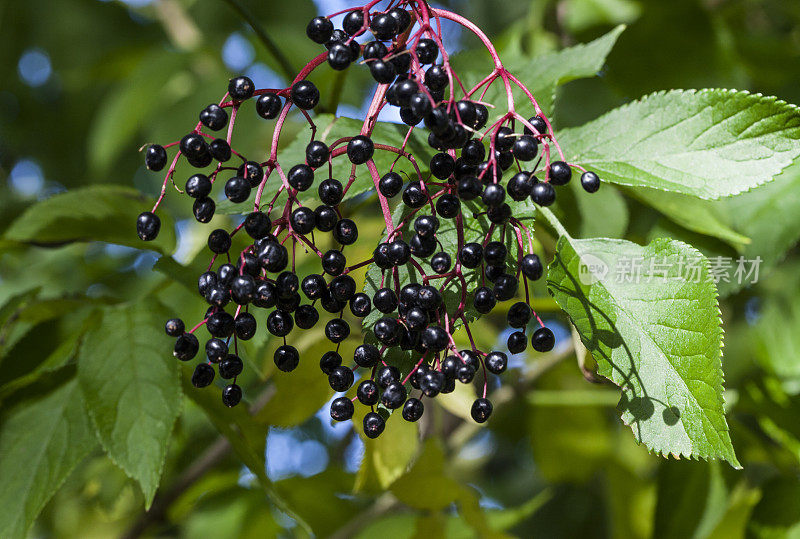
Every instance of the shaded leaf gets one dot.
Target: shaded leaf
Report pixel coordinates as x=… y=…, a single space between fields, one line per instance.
x=97 y=213
x=42 y=437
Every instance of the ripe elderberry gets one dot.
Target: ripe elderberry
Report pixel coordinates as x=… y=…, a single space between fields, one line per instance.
x=456 y=246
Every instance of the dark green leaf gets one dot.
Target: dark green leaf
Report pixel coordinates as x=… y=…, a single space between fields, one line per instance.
x=130 y=382
x=97 y=213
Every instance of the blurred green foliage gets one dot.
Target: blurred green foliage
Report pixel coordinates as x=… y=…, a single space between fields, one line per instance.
x=554 y=461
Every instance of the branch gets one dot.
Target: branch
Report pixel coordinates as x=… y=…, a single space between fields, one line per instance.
x=271 y=46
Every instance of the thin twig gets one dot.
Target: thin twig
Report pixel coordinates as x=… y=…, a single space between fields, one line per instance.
x=271 y=46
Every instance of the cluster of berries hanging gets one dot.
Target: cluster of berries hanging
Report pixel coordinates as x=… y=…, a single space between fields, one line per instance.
x=466 y=182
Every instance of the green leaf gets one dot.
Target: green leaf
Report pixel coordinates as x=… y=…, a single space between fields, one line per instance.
x=123 y=113
x=657 y=336
x=97 y=213
x=298 y=394
x=246 y=436
x=42 y=437
x=695 y=214
x=705 y=143
x=692 y=499
x=387 y=457
x=582 y=14
x=541 y=74
x=130 y=382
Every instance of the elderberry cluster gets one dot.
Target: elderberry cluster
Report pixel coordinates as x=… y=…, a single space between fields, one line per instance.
x=449 y=275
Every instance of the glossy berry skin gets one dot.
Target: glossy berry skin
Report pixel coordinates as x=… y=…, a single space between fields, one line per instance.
x=301 y=177
x=543 y=194
x=505 y=139
x=390 y=184
x=543 y=340
x=340 y=378
x=279 y=323
x=148 y=226
x=471 y=255
x=214 y=117
x=219 y=241
x=560 y=173
x=481 y=410
x=484 y=300
x=427 y=51
x=317 y=153
x=538 y=123
x=375 y=49
x=220 y=324
x=230 y=367
x=245 y=326
x=382 y=72
x=496 y=362
x=414 y=196
x=345 y=232
x=532 y=267
x=442 y=165
x=319 y=29
x=525 y=148
x=493 y=195
x=186 y=347
x=203 y=375
x=517 y=342
x=286 y=358
x=220 y=150
x=337 y=330
x=519 y=315
x=302 y=220
x=305 y=95
x=360 y=305
x=329 y=361
x=339 y=56
x=252 y=172
x=360 y=149
x=216 y=350
x=413 y=410
x=432 y=383
x=399 y=253
x=257 y=225
x=394 y=395
x=373 y=425
x=306 y=317
x=495 y=252
x=505 y=287
x=385 y=300
x=368 y=393
x=366 y=355
x=402 y=17
x=237 y=189
x=342 y=409
x=333 y=262
x=469 y=188
x=383 y=26
x=231 y=395
x=448 y=206
x=353 y=22
x=441 y=262
x=175 y=327
x=520 y=186
x=268 y=106
x=590 y=181
x=314 y=286
x=241 y=88
x=325 y=218
x=155 y=158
